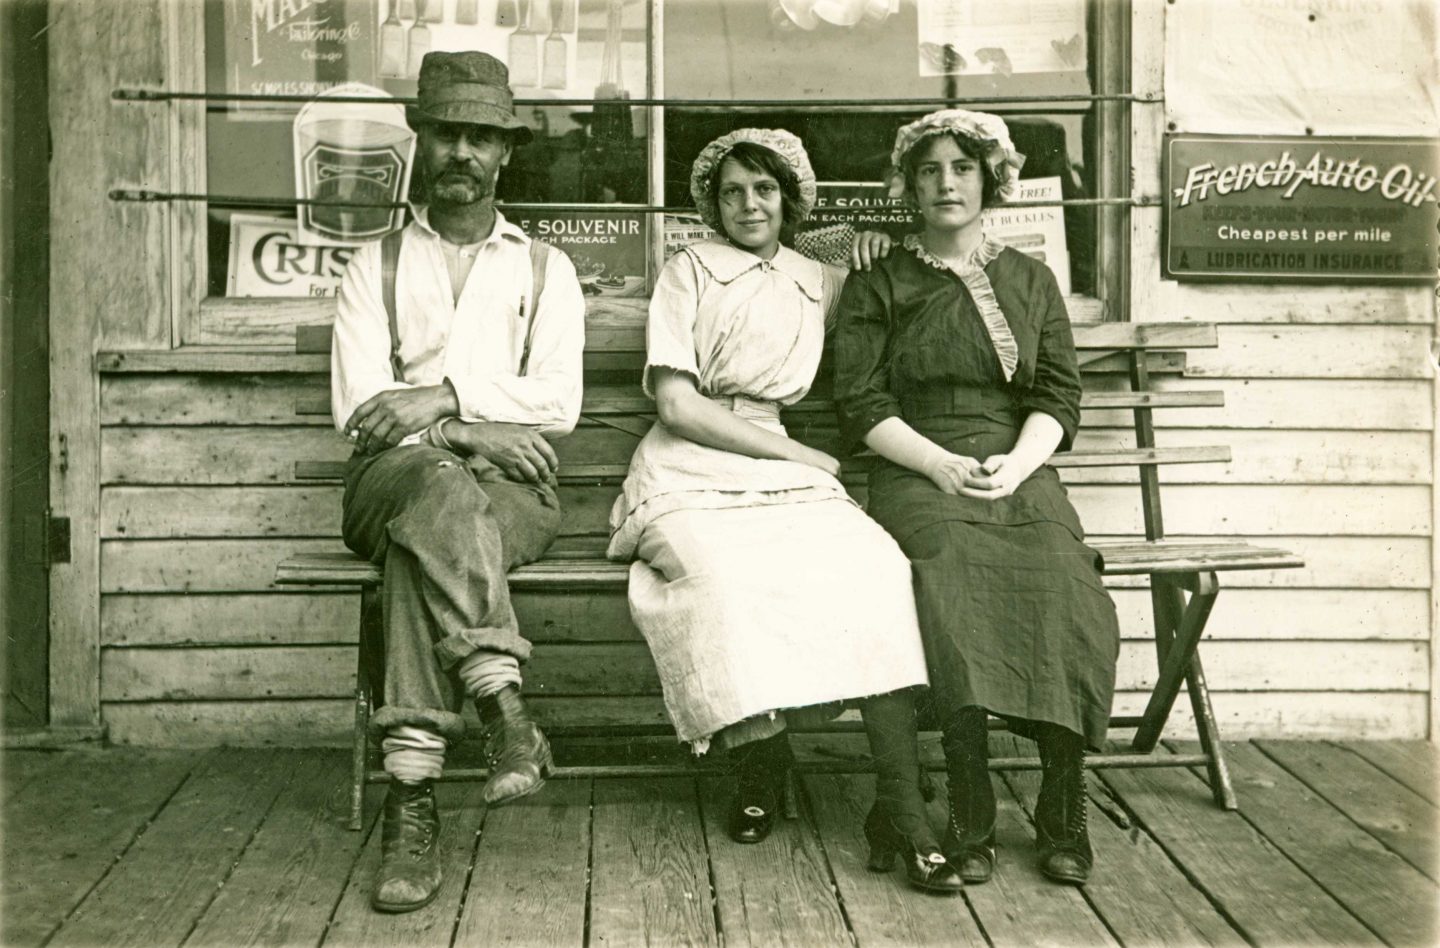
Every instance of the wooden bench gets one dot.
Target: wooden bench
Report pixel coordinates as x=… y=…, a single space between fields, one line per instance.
x=1121 y=362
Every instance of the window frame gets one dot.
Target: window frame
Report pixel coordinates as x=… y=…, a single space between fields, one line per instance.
x=201 y=320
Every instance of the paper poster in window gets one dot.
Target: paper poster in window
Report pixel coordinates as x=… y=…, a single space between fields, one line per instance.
x=681 y=230
x=298 y=47
x=1323 y=67
x=268 y=259
x=976 y=37
x=1037 y=231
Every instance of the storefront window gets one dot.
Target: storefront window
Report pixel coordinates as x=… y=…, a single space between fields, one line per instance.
x=261 y=155
x=720 y=65
x=794 y=52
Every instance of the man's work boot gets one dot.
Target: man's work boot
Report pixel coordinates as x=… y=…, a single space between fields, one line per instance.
x=409 y=873
x=518 y=752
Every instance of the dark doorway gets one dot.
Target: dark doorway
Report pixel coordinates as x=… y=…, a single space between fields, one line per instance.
x=24 y=361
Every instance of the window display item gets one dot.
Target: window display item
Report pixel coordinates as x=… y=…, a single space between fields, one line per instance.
x=392 y=45
x=557 y=53
x=357 y=155
x=523 y=59
x=417 y=44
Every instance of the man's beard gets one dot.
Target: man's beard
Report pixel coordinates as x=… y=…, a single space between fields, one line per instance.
x=460 y=188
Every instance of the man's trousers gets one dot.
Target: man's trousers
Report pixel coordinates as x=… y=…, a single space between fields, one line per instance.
x=445 y=530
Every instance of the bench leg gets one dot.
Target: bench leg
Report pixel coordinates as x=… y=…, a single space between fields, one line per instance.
x=1220 y=786
x=360 y=739
x=1177 y=657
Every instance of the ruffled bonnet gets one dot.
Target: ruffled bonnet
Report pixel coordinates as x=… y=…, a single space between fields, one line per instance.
x=990 y=130
x=783 y=143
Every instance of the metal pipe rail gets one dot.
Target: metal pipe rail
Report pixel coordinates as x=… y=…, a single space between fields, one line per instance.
x=146 y=195
x=731 y=105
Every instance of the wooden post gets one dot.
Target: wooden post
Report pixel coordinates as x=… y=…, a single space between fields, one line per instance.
x=108 y=289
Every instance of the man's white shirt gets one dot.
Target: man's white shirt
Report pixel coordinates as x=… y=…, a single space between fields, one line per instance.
x=476 y=341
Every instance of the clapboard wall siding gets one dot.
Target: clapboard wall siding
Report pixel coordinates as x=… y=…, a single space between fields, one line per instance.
x=624 y=669
x=240 y=565
x=155 y=455
x=295 y=618
x=1316 y=352
x=165 y=619
x=1260 y=404
x=1299 y=304
x=200 y=501
x=229 y=619
x=1190 y=510
x=1315 y=714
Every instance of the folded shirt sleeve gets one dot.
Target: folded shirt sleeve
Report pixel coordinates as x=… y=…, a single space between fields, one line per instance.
x=360 y=350
x=862 y=356
x=1056 y=388
x=670 y=327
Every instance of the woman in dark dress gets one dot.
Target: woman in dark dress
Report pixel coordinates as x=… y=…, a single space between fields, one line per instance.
x=955 y=364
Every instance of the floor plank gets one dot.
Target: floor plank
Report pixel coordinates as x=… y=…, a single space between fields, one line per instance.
x=882 y=908
x=20 y=768
x=1019 y=906
x=64 y=832
x=1392 y=813
x=1256 y=886
x=1141 y=895
x=1416 y=764
x=462 y=813
x=528 y=885
x=650 y=877
x=773 y=893
x=162 y=885
x=1393 y=898
x=293 y=873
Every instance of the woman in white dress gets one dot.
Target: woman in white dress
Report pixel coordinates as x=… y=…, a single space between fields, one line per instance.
x=759 y=585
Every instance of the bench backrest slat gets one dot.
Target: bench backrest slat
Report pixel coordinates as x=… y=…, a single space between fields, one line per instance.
x=1088 y=337
x=608 y=401
x=854 y=471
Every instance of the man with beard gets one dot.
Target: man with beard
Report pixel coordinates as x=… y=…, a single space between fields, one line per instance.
x=457 y=353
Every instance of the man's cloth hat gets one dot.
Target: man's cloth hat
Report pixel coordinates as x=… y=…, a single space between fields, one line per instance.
x=471 y=88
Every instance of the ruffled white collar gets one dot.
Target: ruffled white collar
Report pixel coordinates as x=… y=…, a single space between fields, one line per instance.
x=987 y=250
x=725 y=262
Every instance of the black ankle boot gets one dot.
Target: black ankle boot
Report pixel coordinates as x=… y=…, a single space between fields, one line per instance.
x=409 y=873
x=891 y=832
x=515 y=747
x=761 y=767
x=896 y=824
x=969 y=841
x=1061 y=835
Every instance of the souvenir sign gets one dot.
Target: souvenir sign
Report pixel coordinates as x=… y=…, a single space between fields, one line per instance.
x=1300 y=209
x=608 y=248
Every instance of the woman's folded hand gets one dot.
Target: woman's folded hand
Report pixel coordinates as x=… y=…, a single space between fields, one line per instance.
x=951 y=472
x=820 y=459
x=995 y=477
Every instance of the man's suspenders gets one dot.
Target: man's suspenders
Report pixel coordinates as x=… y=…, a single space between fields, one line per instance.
x=390 y=263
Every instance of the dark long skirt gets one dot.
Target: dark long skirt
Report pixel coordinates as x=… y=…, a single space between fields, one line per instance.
x=1011 y=607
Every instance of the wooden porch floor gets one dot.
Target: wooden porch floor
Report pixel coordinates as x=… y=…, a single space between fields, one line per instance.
x=1335 y=843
